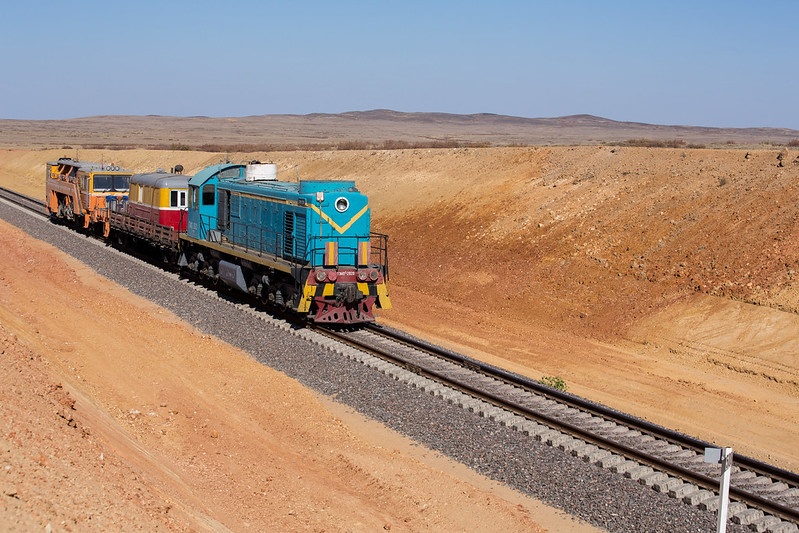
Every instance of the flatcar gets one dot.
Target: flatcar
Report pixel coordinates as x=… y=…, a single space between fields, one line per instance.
x=80 y=193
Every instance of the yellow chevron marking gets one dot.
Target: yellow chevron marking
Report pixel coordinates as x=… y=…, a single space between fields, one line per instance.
x=345 y=227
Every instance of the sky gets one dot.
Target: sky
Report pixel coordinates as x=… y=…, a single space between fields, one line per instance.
x=699 y=63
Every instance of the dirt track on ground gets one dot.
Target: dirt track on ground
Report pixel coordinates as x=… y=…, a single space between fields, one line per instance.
x=658 y=281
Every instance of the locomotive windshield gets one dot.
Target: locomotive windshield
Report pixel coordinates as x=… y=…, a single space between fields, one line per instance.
x=111 y=182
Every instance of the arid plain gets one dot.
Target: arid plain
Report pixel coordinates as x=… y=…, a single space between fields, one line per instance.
x=660 y=281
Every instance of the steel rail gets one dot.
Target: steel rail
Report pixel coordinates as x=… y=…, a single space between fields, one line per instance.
x=32 y=204
x=644 y=426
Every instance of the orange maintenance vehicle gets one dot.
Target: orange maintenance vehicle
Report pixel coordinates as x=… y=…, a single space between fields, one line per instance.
x=81 y=193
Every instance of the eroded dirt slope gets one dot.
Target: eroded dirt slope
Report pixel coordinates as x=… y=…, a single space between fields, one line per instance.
x=576 y=261
x=660 y=281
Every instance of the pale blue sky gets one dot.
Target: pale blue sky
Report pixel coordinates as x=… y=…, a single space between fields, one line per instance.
x=712 y=63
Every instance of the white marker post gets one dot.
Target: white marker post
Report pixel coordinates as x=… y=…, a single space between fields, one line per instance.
x=723 y=456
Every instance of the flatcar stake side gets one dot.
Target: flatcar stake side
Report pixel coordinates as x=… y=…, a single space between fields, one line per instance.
x=302 y=246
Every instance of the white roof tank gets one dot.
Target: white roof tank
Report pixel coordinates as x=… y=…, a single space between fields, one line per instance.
x=261 y=172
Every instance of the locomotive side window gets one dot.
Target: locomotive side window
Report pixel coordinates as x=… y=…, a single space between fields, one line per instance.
x=208 y=194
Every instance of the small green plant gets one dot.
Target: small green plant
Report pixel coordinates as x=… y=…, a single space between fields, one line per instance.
x=556 y=382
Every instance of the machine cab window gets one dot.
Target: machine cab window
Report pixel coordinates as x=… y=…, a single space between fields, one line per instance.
x=177 y=198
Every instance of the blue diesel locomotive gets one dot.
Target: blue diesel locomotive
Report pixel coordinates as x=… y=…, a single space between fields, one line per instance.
x=304 y=246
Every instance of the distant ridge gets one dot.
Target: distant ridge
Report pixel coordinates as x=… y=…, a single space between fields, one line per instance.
x=390 y=115
x=366 y=127
x=583 y=119
x=574 y=121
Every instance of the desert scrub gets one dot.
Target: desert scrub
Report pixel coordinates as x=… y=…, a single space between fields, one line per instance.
x=556 y=382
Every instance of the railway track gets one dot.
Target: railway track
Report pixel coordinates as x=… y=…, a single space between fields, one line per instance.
x=763 y=497
x=34 y=205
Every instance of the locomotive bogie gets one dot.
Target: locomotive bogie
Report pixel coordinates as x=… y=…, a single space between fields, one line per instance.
x=261 y=281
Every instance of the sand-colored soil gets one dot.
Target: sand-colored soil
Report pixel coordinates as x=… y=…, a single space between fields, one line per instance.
x=658 y=281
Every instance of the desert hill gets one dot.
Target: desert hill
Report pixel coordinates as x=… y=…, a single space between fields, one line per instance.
x=362 y=128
